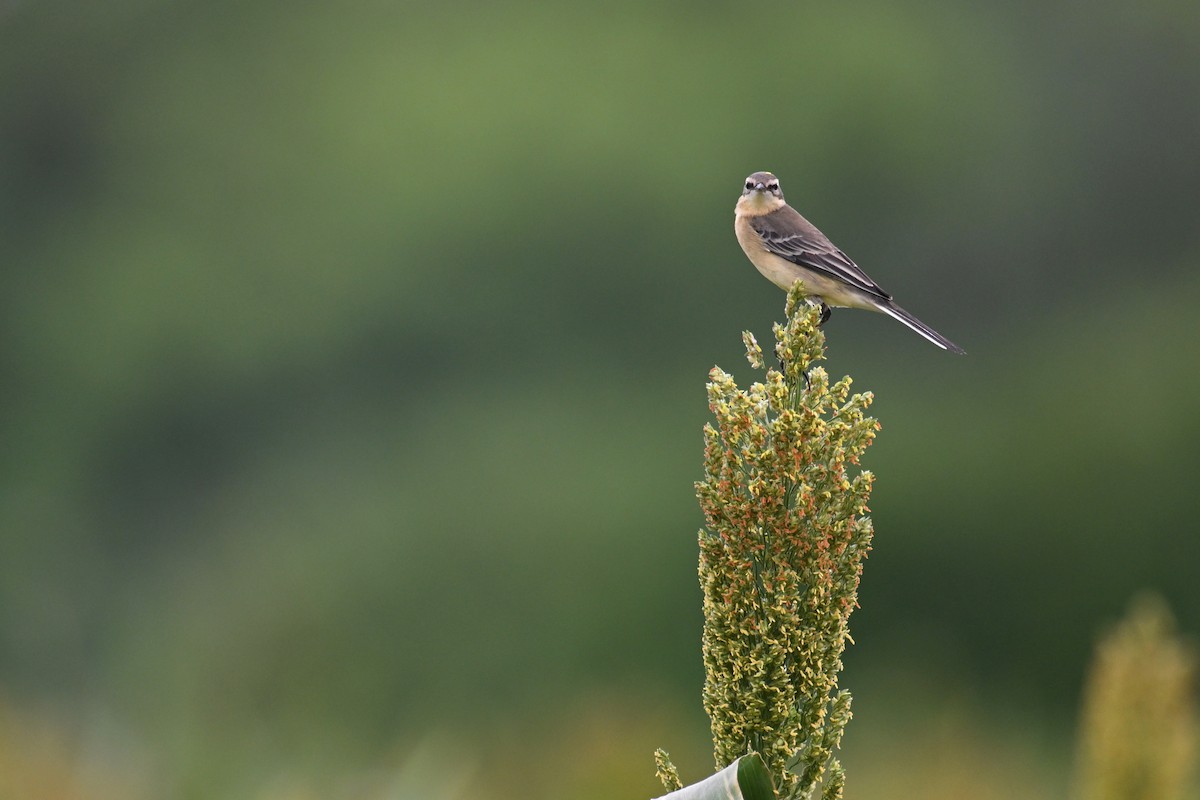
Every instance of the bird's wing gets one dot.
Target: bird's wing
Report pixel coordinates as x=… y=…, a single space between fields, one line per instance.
x=789 y=235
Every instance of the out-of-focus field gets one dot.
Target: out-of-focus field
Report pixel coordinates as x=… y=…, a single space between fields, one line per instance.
x=353 y=361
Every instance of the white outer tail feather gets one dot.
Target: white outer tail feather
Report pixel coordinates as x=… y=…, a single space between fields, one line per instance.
x=899 y=314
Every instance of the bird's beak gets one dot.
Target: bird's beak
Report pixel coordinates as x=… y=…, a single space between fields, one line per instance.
x=758 y=187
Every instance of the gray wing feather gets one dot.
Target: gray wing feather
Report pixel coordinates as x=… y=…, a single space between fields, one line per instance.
x=789 y=235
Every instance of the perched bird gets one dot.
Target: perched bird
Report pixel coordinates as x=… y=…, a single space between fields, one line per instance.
x=784 y=246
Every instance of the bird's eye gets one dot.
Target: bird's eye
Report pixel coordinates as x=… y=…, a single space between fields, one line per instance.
x=749 y=184
x=774 y=187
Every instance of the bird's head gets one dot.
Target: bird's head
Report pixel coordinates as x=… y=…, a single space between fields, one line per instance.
x=760 y=194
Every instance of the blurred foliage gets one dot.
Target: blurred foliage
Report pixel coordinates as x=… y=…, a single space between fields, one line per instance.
x=352 y=356
x=1139 y=725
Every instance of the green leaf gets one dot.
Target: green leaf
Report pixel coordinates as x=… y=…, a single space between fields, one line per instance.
x=745 y=779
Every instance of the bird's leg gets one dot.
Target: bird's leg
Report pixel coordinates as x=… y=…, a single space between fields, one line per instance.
x=826 y=313
x=783 y=364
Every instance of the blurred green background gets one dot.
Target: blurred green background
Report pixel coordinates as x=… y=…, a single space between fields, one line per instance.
x=353 y=362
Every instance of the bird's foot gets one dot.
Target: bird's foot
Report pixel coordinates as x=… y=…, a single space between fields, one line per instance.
x=783 y=365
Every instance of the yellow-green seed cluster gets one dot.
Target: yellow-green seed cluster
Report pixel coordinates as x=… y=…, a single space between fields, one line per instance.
x=665 y=771
x=781 y=555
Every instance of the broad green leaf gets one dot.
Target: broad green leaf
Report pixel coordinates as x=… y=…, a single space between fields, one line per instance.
x=745 y=779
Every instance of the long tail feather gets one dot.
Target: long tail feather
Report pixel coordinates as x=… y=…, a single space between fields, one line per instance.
x=896 y=312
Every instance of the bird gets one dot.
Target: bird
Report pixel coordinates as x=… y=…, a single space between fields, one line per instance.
x=785 y=247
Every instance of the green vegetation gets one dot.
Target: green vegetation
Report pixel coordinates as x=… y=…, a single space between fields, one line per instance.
x=781 y=556
x=1139 y=729
x=746 y=778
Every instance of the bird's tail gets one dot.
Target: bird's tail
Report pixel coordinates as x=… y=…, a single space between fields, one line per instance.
x=896 y=312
